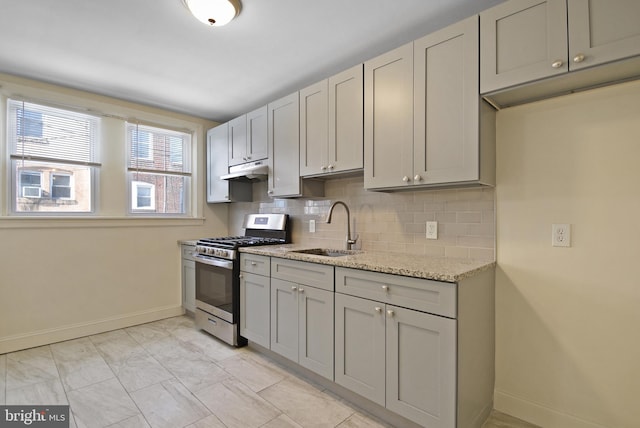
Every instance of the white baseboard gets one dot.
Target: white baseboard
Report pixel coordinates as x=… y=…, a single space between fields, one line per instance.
x=74 y=331
x=537 y=413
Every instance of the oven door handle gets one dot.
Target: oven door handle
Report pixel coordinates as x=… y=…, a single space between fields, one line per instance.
x=226 y=264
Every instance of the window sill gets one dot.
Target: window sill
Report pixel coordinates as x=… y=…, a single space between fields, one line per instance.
x=54 y=222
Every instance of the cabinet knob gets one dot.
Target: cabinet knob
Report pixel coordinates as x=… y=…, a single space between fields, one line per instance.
x=378 y=309
x=331 y=167
x=405 y=179
x=240 y=276
x=578 y=58
x=294 y=288
x=244 y=158
x=390 y=313
x=323 y=168
x=557 y=64
x=301 y=290
x=253 y=263
x=270 y=192
x=248 y=157
x=417 y=178
x=385 y=288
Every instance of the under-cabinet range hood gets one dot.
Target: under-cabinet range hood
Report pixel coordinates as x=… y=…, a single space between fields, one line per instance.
x=257 y=170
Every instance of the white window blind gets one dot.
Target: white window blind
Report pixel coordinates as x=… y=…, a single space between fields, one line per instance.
x=162 y=159
x=59 y=146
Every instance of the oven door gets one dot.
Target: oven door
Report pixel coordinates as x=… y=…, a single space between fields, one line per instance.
x=214 y=286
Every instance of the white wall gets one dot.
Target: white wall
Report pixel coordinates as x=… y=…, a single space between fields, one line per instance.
x=567 y=319
x=65 y=278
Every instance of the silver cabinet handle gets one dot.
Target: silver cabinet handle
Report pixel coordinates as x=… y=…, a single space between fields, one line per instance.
x=385 y=288
x=301 y=290
x=378 y=309
x=405 y=179
x=417 y=178
x=331 y=167
x=390 y=313
x=240 y=276
x=557 y=64
x=270 y=192
x=253 y=263
x=294 y=288
x=578 y=58
x=323 y=168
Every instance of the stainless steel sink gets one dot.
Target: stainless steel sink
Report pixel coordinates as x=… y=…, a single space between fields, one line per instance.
x=327 y=252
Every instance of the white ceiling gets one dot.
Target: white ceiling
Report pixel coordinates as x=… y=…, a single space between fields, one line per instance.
x=154 y=52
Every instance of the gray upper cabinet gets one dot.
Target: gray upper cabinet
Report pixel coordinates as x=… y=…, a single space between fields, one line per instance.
x=331 y=117
x=217 y=164
x=284 y=147
x=248 y=137
x=425 y=124
x=522 y=40
x=602 y=30
x=448 y=134
x=528 y=40
x=388 y=119
x=314 y=126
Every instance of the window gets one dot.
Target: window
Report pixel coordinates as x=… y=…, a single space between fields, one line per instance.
x=60 y=186
x=54 y=159
x=159 y=170
x=30 y=184
x=143 y=196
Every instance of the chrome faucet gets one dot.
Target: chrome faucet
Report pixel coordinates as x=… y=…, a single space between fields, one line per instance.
x=349 y=241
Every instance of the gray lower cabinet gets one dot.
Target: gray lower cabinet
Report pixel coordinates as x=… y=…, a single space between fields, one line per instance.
x=399 y=358
x=254 y=298
x=302 y=314
x=188 y=278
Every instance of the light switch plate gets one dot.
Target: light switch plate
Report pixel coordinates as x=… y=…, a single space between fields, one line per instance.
x=312 y=226
x=432 y=230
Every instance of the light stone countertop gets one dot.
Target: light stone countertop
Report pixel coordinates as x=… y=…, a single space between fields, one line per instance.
x=417 y=266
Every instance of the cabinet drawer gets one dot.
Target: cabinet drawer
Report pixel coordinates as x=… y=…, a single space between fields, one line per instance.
x=187 y=252
x=414 y=293
x=311 y=274
x=254 y=264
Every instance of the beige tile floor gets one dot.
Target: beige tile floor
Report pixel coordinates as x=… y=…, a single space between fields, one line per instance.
x=168 y=374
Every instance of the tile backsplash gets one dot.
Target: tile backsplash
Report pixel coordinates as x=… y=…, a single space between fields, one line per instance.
x=386 y=221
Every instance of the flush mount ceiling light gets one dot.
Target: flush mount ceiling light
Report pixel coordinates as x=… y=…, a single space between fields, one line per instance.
x=213 y=12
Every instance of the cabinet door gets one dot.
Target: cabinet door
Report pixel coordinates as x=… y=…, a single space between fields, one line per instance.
x=602 y=30
x=446 y=109
x=284 y=318
x=189 y=285
x=284 y=147
x=315 y=327
x=238 y=140
x=522 y=41
x=313 y=129
x=346 y=110
x=360 y=346
x=421 y=367
x=217 y=164
x=257 y=134
x=388 y=119
x=255 y=308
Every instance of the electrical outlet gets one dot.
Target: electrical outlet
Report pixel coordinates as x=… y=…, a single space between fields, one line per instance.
x=312 y=226
x=561 y=235
x=432 y=230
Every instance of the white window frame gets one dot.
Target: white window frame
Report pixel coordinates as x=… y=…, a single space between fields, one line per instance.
x=135 y=187
x=71 y=184
x=49 y=158
x=21 y=187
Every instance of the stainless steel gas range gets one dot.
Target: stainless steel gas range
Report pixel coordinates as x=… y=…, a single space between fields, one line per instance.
x=218 y=274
